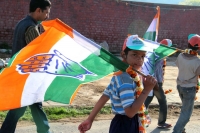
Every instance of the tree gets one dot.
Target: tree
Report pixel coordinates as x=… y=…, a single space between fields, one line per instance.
x=190 y=2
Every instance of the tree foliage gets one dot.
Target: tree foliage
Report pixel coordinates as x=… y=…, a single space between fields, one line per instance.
x=190 y=2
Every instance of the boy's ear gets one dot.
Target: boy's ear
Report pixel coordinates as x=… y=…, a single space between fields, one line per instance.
x=123 y=55
x=38 y=10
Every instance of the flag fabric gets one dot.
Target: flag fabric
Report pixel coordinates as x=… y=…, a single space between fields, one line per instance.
x=53 y=66
x=151 y=34
x=163 y=51
x=152 y=31
x=160 y=52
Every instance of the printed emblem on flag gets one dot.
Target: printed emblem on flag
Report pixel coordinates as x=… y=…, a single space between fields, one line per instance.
x=56 y=64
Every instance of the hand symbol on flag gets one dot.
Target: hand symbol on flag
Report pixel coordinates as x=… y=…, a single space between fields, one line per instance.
x=149 y=63
x=56 y=64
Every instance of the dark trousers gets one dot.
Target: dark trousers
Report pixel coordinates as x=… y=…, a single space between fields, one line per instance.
x=124 y=124
x=13 y=116
x=160 y=95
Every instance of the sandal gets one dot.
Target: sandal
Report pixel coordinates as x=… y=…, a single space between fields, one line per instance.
x=164 y=126
x=184 y=131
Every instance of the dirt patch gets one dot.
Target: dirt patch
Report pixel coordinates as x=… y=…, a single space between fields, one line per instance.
x=89 y=94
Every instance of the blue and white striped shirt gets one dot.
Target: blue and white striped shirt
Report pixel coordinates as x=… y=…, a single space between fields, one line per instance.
x=122 y=92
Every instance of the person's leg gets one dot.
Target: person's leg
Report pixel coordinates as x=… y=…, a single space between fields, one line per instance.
x=188 y=95
x=160 y=95
x=148 y=101
x=11 y=120
x=40 y=118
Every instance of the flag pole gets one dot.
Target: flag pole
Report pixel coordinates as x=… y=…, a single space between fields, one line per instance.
x=139 y=72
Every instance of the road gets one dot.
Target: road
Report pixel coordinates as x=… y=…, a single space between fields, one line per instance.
x=102 y=126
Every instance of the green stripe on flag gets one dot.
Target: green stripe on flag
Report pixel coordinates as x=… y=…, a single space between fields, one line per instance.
x=150 y=35
x=108 y=57
x=164 y=51
x=99 y=66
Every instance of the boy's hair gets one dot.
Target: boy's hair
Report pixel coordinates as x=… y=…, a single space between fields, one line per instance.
x=195 y=47
x=126 y=50
x=42 y=4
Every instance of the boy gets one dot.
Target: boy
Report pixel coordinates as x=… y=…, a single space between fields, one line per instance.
x=189 y=69
x=126 y=92
x=26 y=31
x=159 y=93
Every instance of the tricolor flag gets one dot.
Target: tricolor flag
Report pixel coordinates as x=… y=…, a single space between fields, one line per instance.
x=152 y=31
x=151 y=34
x=53 y=66
x=160 y=52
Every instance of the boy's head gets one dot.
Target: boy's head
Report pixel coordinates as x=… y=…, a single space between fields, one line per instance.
x=40 y=9
x=194 y=42
x=134 y=51
x=166 y=42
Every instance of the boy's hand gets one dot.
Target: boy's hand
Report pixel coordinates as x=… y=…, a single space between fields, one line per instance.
x=85 y=126
x=149 y=83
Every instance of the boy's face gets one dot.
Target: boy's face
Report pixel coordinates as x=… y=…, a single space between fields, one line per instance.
x=134 y=58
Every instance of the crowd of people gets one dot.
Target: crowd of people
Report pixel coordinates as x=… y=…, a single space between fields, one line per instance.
x=128 y=91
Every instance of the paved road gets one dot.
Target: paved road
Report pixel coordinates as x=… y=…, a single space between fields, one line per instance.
x=102 y=127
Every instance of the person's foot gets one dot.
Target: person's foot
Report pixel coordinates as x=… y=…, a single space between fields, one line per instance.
x=184 y=131
x=164 y=126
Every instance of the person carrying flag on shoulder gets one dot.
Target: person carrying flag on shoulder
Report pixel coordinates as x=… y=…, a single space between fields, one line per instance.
x=159 y=93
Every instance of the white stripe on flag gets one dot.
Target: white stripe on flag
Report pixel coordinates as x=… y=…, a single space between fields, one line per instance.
x=35 y=88
x=37 y=83
x=87 y=43
x=152 y=27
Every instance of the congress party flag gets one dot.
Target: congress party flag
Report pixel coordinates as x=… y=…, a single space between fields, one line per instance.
x=151 y=34
x=152 y=31
x=160 y=52
x=53 y=66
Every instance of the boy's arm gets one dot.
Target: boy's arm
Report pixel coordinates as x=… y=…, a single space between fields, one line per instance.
x=101 y=102
x=149 y=83
x=86 y=125
x=135 y=107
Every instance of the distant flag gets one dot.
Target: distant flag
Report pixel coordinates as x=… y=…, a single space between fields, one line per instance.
x=151 y=34
x=152 y=31
x=161 y=52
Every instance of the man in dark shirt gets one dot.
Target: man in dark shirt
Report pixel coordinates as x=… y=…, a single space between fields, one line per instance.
x=26 y=31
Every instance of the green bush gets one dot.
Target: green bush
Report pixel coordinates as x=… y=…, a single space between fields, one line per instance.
x=5 y=45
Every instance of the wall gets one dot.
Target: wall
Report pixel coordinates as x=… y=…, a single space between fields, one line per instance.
x=108 y=20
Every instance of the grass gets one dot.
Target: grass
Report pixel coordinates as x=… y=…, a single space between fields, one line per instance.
x=56 y=113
